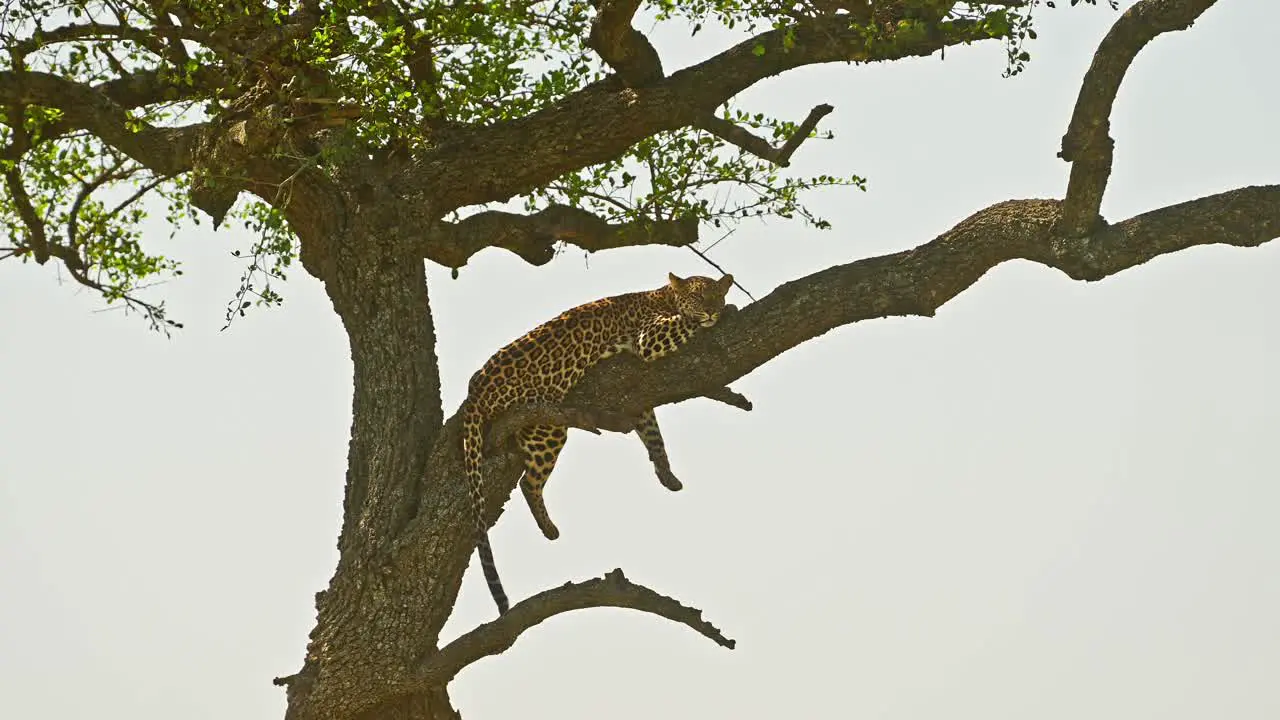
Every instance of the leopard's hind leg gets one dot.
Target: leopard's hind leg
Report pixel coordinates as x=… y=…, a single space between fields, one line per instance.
x=541 y=445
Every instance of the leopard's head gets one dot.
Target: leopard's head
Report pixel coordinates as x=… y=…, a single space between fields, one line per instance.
x=700 y=298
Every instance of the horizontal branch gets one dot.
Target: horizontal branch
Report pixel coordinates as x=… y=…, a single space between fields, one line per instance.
x=919 y=281
x=1088 y=144
x=612 y=590
x=149 y=87
x=533 y=237
x=781 y=156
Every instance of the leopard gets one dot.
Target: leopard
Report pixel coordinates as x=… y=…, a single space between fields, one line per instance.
x=544 y=364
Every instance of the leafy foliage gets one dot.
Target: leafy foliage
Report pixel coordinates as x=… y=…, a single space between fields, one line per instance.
x=691 y=172
x=269 y=258
x=89 y=194
x=376 y=73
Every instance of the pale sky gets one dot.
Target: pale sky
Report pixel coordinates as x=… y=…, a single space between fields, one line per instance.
x=1053 y=501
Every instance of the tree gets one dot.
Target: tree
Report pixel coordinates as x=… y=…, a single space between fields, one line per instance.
x=314 y=130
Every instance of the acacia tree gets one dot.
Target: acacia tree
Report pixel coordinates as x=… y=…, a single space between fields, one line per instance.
x=361 y=137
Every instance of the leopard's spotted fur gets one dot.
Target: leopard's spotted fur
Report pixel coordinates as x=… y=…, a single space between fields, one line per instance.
x=544 y=364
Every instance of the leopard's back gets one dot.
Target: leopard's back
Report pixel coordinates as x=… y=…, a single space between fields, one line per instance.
x=545 y=363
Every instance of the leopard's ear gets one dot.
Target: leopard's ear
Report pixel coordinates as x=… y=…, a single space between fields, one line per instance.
x=676 y=281
x=725 y=283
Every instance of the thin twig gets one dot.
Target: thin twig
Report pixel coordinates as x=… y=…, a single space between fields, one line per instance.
x=715 y=265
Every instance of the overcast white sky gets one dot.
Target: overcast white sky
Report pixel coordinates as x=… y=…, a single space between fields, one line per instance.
x=1053 y=500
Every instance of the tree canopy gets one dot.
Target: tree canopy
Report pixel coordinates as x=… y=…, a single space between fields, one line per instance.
x=197 y=102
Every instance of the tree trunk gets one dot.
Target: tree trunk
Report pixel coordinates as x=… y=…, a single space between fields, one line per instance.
x=383 y=609
x=430 y=705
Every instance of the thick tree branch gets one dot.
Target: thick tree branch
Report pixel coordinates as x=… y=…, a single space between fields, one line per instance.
x=140 y=89
x=758 y=146
x=1088 y=145
x=621 y=46
x=533 y=237
x=919 y=281
x=166 y=151
x=148 y=87
x=612 y=590
x=600 y=122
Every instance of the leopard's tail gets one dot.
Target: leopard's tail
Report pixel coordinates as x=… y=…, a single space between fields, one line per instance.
x=472 y=457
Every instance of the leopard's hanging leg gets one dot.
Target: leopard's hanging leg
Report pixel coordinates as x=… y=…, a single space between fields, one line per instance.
x=649 y=433
x=541 y=445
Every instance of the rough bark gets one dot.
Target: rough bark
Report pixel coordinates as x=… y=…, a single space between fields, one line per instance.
x=1087 y=144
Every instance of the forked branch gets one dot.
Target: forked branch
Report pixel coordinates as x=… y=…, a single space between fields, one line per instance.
x=621 y=46
x=758 y=146
x=1088 y=145
x=612 y=590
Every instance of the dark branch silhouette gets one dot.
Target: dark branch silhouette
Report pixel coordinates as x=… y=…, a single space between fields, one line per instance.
x=758 y=146
x=534 y=237
x=612 y=590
